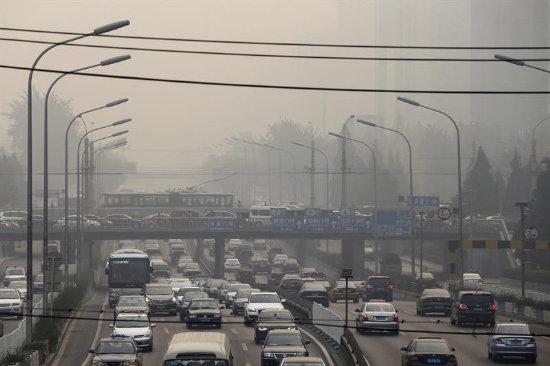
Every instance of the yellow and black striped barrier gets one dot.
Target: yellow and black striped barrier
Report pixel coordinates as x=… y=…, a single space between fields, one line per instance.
x=454 y=245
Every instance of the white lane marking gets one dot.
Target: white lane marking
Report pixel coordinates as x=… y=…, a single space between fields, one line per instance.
x=162 y=319
x=245 y=347
x=546 y=338
x=98 y=330
x=248 y=364
x=407 y=312
x=234 y=330
x=325 y=353
x=166 y=331
x=402 y=333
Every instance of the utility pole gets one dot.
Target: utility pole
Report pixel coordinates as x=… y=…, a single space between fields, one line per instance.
x=421 y=244
x=312 y=174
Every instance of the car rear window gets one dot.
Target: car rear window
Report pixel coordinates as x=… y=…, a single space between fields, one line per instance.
x=477 y=299
x=513 y=329
x=379 y=307
x=377 y=281
x=432 y=347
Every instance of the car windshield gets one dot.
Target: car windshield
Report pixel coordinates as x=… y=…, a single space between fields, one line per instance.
x=283 y=339
x=477 y=299
x=432 y=347
x=275 y=316
x=203 y=304
x=9 y=294
x=380 y=307
x=160 y=290
x=131 y=323
x=194 y=295
x=131 y=301
x=264 y=298
x=15 y=272
x=513 y=329
x=115 y=347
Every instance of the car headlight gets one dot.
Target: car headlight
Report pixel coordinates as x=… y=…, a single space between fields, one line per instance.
x=301 y=354
x=291 y=328
x=263 y=329
x=147 y=334
x=192 y=316
x=16 y=304
x=251 y=309
x=174 y=300
x=98 y=363
x=268 y=354
x=217 y=315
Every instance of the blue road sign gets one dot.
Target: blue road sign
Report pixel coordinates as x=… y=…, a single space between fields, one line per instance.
x=431 y=201
x=324 y=224
x=287 y=224
x=356 y=224
x=221 y=224
x=393 y=223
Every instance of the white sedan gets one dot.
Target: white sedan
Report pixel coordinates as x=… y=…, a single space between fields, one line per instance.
x=232 y=265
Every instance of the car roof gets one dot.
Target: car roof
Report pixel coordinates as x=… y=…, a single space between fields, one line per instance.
x=132 y=315
x=460 y=293
x=284 y=331
x=292 y=360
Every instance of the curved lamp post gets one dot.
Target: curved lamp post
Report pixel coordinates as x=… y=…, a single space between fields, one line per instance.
x=78 y=214
x=45 y=229
x=375 y=220
x=534 y=169
x=344 y=163
x=104 y=29
x=460 y=232
x=66 y=227
x=412 y=215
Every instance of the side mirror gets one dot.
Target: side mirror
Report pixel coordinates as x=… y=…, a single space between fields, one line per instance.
x=91 y=350
x=452 y=349
x=307 y=342
x=110 y=325
x=153 y=325
x=283 y=300
x=404 y=349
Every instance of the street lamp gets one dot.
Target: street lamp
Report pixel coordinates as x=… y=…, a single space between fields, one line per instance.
x=518 y=62
x=375 y=219
x=534 y=165
x=104 y=29
x=326 y=162
x=111 y=146
x=66 y=226
x=253 y=163
x=416 y=104
x=45 y=229
x=523 y=207
x=412 y=215
x=344 y=163
x=78 y=215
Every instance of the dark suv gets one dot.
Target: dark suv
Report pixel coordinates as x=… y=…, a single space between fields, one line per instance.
x=160 y=298
x=378 y=287
x=473 y=307
x=281 y=343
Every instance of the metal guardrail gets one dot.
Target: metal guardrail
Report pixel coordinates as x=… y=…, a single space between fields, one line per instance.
x=328 y=322
x=353 y=349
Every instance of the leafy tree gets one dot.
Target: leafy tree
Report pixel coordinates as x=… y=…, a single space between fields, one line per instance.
x=517 y=187
x=539 y=216
x=481 y=181
x=12 y=182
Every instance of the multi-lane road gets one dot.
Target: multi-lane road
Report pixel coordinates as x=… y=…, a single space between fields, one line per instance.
x=82 y=334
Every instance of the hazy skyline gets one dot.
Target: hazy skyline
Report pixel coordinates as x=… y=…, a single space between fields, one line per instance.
x=176 y=124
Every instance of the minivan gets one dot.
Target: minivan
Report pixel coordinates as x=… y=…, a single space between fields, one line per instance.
x=473 y=307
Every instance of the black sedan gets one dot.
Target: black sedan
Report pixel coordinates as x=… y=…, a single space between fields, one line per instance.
x=434 y=300
x=428 y=351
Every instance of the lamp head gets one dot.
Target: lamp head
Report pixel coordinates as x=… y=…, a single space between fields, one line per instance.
x=408 y=101
x=337 y=135
x=510 y=60
x=119 y=133
x=114 y=60
x=110 y=27
x=116 y=102
x=367 y=123
x=122 y=121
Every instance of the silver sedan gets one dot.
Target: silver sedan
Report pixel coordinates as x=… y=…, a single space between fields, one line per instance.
x=512 y=340
x=377 y=316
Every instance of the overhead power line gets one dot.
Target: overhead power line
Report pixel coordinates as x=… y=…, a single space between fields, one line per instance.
x=281 y=87
x=269 y=55
x=272 y=43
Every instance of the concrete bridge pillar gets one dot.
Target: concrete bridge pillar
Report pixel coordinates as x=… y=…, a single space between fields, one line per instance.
x=219 y=258
x=302 y=248
x=353 y=256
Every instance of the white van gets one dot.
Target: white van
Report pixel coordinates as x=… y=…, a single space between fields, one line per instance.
x=193 y=348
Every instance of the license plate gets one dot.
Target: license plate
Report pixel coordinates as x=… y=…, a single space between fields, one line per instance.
x=205 y=320
x=433 y=360
x=160 y=306
x=478 y=309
